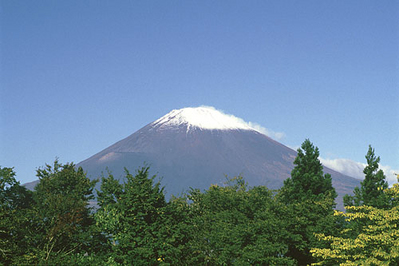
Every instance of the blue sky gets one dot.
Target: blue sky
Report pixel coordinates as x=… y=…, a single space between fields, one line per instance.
x=77 y=76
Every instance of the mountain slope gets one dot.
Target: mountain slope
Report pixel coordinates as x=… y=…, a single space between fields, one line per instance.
x=197 y=147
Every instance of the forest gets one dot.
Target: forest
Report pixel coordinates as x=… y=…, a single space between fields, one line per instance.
x=65 y=221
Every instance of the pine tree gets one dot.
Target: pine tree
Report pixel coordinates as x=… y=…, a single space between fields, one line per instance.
x=307 y=182
x=309 y=202
x=371 y=191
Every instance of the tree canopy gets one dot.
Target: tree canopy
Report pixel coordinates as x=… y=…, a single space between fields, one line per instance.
x=15 y=200
x=308 y=199
x=133 y=215
x=131 y=222
x=371 y=191
x=375 y=240
x=307 y=181
x=54 y=219
x=237 y=225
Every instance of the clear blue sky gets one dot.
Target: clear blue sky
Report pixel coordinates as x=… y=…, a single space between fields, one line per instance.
x=77 y=76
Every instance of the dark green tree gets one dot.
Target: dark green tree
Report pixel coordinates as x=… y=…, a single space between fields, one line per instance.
x=60 y=218
x=134 y=217
x=309 y=201
x=235 y=225
x=15 y=200
x=180 y=231
x=307 y=182
x=371 y=191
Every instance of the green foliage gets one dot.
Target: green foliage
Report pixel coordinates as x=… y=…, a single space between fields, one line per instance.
x=60 y=219
x=305 y=219
x=308 y=201
x=234 y=225
x=133 y=215
x=375 y=241
x=14 y=200
x=371 y=192
x=225 y=225
x=307 y=182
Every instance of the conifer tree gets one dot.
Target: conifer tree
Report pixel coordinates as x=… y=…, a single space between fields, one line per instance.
x=371 y=191
x=309 y=202
x=307 y=182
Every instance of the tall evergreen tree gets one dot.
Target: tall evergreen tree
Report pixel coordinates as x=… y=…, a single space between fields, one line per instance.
x=307 y=182
x=309 y=202
x=371 y=191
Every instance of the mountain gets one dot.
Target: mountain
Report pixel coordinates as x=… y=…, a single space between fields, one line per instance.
x=197 y=147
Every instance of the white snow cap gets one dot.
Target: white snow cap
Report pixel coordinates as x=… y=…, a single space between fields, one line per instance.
x=204 y=117
x=207 y=117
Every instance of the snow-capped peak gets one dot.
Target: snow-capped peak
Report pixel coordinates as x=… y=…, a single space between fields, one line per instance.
x=204 y=117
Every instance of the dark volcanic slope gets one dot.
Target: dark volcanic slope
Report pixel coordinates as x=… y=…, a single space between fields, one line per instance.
x=185 y=157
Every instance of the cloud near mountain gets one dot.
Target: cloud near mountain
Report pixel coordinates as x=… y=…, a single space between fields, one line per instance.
x=235 y=122
x=270 y=133
x=355 y=169
x=345 y=166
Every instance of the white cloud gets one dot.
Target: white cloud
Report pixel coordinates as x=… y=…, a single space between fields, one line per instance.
x=295 y=148
x=345 y=166
x=390 y=174
x=267 y=132
x=355 y=169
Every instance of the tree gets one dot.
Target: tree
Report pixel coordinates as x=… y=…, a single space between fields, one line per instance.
x=133 y=216
x=371 y=191
x=234 y=225
x=180 y=232
x=14 y=201
x=308 y=198
x=60 y=219
x=375 y=240
x=307 y=182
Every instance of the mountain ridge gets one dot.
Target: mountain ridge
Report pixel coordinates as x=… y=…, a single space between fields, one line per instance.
x=197 y=147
